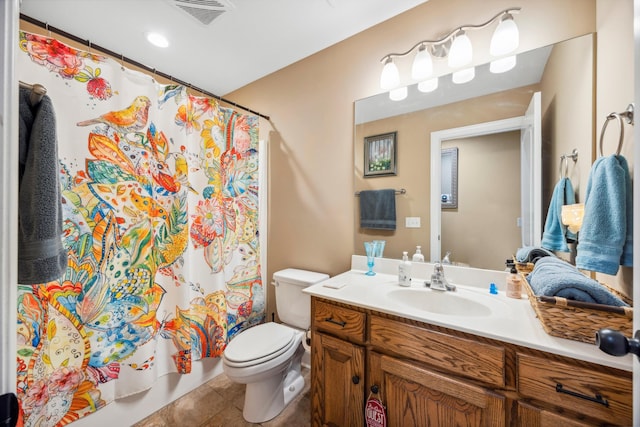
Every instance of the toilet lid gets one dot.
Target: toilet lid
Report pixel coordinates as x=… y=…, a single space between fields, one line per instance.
x=258 y=342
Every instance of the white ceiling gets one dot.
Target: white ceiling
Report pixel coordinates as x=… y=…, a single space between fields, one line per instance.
x=249 y=40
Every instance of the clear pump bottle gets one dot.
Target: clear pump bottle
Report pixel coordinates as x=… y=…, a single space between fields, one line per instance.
x=418 y=257
x=404 y=270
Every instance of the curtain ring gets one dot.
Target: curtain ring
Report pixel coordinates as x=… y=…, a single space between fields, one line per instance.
x=604 y=128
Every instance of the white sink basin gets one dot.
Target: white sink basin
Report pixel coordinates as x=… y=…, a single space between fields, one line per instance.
x=445 y=303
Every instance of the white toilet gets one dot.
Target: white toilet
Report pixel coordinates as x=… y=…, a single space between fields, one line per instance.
x=267 y=357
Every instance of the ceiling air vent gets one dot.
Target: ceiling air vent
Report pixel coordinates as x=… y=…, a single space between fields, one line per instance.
x=205 y=11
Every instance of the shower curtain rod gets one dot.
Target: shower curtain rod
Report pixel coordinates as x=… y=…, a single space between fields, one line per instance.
x=123 y=58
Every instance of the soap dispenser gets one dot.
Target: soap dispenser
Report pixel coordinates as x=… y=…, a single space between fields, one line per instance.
x=514 y=282
x=418 y=257
x=404 y=270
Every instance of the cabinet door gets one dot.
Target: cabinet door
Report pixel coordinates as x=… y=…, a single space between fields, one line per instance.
x=337 y=382
x=415 y=396
x=532 y=416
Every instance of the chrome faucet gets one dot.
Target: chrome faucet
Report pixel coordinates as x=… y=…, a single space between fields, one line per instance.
x=438 y=281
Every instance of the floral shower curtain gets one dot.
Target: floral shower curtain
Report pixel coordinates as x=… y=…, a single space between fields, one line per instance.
x=160 y=207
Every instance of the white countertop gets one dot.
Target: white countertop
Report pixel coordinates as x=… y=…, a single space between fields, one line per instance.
x=511 y=320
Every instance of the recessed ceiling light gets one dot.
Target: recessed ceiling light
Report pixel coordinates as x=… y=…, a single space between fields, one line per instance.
x=157 y=39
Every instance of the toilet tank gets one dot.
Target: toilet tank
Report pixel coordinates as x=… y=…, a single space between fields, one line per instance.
x=294 y=306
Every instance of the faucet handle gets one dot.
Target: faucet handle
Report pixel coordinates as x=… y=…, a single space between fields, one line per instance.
x=438 y=268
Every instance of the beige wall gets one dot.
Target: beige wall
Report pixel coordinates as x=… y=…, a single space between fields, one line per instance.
x=568 y=113
x=311 y=192
x=568 y=105
x=614 y=91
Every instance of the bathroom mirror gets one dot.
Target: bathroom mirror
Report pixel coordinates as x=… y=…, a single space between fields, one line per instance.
x=489 y=97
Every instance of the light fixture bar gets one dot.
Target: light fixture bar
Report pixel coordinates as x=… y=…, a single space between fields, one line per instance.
x=446 y=38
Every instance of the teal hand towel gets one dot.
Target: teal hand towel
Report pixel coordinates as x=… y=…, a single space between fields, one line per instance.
x=378 y=209
x=554 y=277
x=555 y=233
x=606 y=236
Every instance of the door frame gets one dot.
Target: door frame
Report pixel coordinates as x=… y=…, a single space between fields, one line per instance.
x=9 y=16
x=636 y=211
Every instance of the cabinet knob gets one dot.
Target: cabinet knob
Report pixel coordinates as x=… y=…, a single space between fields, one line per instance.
x=616 y=344
x=355 y=379
x=374 y=389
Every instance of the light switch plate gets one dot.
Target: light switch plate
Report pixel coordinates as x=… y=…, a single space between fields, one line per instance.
x=412 y=222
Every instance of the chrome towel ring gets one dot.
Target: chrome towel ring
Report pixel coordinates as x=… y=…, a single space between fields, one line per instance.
x=628 y=115
x=564 y=162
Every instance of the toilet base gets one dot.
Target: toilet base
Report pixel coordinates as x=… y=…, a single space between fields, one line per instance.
x=262 y=404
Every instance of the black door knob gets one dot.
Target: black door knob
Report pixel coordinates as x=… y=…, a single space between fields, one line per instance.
x=616 y=344
x=355 y=379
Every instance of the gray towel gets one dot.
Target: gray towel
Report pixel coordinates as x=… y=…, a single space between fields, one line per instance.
x=378 y=209
x=532 y=254
x=41 y=255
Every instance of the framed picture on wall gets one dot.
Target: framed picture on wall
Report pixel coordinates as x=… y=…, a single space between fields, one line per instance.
x=380 y=155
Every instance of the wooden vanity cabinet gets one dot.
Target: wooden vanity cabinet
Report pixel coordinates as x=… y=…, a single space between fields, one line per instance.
x=337 y=381
x=337 y=365
x=427 y=375
x=416 y=396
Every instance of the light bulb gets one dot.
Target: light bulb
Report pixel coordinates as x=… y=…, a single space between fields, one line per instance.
x=461 y=51
x=503 y=64
x=428 y=85
x=422 y=65
x=506 y=37
x=390 y=76
x=398 y=94
x=463 y=76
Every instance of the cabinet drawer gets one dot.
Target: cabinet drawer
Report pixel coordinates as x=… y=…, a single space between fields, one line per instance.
x=464 y=357
x=576 y=388
x=340 y=321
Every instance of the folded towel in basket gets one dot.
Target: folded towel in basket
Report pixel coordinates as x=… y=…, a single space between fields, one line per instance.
x=554 y=277
x=378 y=209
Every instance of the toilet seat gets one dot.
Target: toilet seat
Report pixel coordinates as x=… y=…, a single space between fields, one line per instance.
x=259 y=344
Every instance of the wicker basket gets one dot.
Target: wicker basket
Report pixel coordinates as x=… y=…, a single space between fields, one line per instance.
x=579 y=321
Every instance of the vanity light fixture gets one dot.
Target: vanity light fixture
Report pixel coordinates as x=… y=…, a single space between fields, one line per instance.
x=456 y=47
x=502 y=65
x=390 y=77
x=463 y=76
x=429 y=85
x=398 y=94
x=461 y=52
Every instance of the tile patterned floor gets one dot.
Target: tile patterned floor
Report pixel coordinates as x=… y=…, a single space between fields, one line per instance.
x=219 y=403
